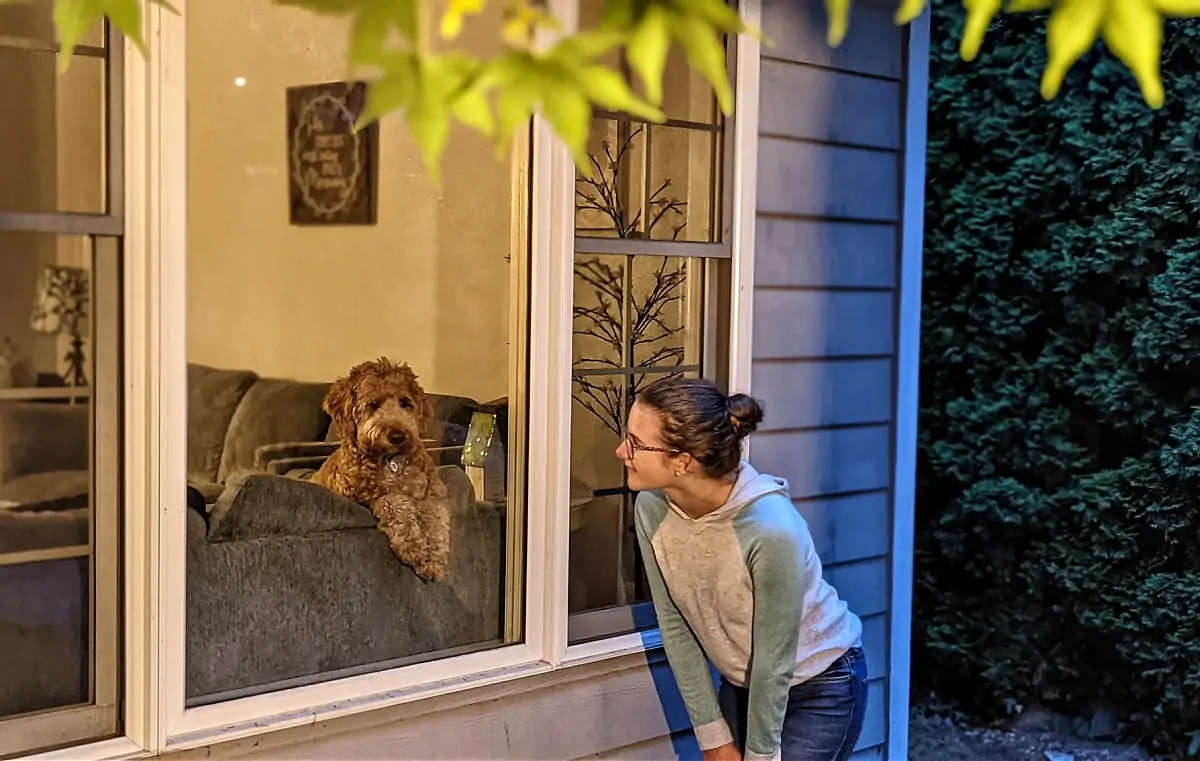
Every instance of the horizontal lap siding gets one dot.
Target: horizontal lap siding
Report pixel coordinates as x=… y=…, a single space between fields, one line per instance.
x=826 y=268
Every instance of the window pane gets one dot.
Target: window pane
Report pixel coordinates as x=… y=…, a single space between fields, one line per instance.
x=52 y=128
x=650 y=180
x=312 y=250
x=658 y=181
x=606 y=574
x=33 y=20
x=683 y=183
x=664 y=300
x=610 y=203
x=59 y=489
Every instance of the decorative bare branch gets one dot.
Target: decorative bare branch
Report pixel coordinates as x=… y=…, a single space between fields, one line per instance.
x=602 y=193
x=643 y=338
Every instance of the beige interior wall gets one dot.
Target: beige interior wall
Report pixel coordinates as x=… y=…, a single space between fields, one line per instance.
x=428 y=284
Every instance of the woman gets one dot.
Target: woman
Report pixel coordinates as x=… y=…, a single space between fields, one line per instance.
x=735 y=577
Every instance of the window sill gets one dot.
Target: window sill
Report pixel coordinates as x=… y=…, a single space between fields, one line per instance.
x=119 y=749
x=602 y=656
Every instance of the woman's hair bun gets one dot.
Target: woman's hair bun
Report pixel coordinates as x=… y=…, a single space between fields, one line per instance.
x=745 y=413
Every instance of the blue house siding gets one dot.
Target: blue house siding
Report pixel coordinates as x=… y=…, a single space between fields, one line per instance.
x=827 y=256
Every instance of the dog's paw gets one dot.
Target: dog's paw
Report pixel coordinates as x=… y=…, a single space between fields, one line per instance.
x=431 y=571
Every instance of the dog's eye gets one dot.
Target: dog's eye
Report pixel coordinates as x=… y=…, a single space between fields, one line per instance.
x=406 y=404
x=374 y=405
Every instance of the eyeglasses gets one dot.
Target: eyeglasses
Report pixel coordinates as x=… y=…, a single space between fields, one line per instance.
x=635 y=448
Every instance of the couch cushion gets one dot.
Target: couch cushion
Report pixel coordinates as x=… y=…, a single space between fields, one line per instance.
x=23 y=531
x=254 y=506
x=273 y=411
x=55 y=490
x=213 y=397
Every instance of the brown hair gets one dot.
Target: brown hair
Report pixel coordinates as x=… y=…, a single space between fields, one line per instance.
x=700 y=420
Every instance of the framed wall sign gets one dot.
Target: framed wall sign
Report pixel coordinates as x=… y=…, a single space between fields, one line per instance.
x=331 y=167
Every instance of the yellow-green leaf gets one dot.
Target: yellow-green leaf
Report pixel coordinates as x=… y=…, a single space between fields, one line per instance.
x=452 y=20
x=647 y=51
x=720 y=15
x=606 y=88
x=1133 y=32
x=979 y=17
x=570 y=115
x=515 y=107
x=391 y=92
x=1178 y=8
x=468 y=95
x=706 y=55
x=1028 y=6
x=1070 y=32
x=909 y=10
x=838 y=13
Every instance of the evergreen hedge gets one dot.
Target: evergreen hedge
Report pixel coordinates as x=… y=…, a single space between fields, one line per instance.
x=1058 y=520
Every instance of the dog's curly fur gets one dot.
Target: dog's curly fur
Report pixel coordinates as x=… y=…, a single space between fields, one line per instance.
x=378 y=409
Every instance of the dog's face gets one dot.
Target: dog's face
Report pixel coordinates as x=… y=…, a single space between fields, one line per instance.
x=379 y=408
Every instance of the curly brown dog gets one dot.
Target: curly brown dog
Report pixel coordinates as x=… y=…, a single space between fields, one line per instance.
x=378 y=410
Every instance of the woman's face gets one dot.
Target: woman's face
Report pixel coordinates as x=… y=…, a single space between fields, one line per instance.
x=651 y=465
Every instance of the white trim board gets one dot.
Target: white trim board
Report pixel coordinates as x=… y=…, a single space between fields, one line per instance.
x=908 y=360
x=744 y=208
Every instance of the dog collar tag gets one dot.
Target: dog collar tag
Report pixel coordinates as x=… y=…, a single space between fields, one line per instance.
x=393 y=466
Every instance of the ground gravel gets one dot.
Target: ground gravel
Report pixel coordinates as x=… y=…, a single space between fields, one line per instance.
x=934 y=738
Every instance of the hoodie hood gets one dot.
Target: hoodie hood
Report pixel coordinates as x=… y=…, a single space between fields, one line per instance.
x=750 y=485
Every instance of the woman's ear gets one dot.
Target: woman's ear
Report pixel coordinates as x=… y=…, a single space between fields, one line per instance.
x=687 y=462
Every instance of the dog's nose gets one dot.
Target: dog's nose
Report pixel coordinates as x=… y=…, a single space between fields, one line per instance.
x=396 y=437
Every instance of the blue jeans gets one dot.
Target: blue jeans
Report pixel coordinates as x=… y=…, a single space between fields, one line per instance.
x=824 y=715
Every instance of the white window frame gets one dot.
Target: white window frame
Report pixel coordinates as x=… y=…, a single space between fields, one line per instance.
x=155 y=401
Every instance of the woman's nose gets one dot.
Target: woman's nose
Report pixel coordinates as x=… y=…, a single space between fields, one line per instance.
x=622 y=451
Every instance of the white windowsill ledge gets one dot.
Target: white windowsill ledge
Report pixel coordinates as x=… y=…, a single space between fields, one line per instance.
x=108 y=750
x=607 y=655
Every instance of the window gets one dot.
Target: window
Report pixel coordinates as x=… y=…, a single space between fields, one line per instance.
x=60 y=385
x=651 y=290
x=312 y=250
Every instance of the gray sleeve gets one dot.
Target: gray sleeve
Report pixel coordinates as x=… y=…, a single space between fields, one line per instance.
x=778 y=573
x=688 y=662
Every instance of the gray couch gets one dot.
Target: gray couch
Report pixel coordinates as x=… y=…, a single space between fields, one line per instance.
x=286 y=581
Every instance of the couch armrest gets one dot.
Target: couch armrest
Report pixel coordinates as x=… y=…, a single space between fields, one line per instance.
x=259 y=505
x=307 y=452
x=39 y=438
x=289 y=450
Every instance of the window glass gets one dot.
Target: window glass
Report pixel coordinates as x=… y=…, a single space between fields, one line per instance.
x=319 y=494
x=57 y=118
x=59 y=489
x=649 y=303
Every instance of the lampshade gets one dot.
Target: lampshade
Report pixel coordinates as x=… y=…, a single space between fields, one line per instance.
x=60 y=305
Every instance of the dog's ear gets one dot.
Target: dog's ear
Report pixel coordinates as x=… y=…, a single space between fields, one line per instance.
x=426 y=407
x=339 y=405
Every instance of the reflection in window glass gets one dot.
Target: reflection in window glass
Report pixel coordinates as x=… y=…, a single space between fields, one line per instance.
x=58 y=489
x=57 y=119
x=315 y=548
x=648 y=302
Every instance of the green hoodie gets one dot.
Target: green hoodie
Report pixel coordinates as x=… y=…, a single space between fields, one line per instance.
x=743 y=580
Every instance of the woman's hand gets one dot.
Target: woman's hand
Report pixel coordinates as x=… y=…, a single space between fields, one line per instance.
x=727 y=752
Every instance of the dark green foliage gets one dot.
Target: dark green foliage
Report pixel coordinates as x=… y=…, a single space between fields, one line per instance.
x=1058 y=556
